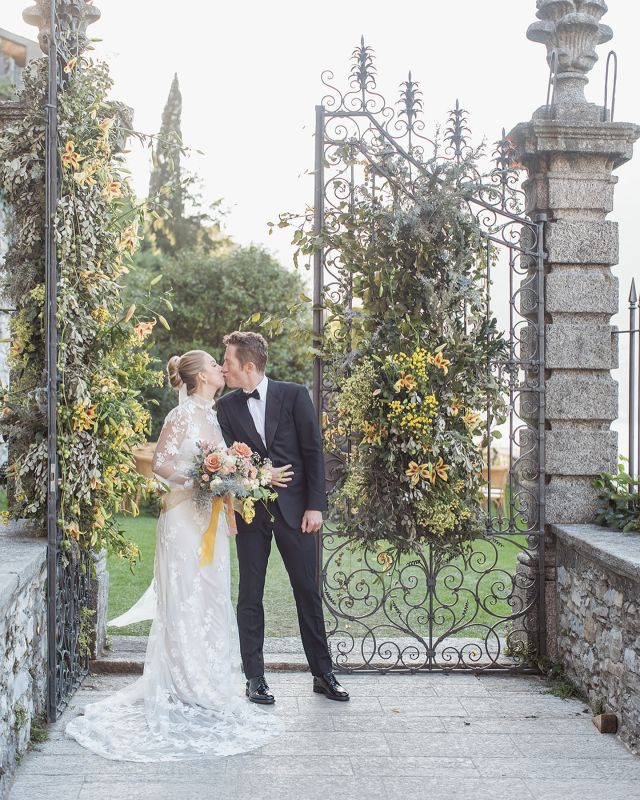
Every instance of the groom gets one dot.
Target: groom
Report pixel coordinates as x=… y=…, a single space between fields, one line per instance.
x=278 y=420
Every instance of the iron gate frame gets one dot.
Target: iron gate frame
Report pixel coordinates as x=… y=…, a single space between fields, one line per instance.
x=496 y=209
x=62 y=25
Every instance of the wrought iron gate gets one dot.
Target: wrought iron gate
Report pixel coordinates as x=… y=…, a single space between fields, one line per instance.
x=484 y=611
x=62 y=25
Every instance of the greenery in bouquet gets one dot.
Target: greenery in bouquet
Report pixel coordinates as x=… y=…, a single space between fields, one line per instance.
x=235 y=471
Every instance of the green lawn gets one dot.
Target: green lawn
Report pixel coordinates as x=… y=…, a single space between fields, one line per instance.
x=125 y=588
x=486 y=577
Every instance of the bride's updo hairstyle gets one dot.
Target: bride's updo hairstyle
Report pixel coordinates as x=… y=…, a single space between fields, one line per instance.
x=184 y=369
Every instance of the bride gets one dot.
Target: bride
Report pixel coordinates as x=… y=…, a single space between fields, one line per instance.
x=189 y=700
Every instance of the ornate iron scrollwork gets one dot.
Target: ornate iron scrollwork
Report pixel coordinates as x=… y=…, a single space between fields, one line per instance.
x=386 y=610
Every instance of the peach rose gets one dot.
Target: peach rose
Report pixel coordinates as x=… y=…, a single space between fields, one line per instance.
x=212 y=463
x=242 y=449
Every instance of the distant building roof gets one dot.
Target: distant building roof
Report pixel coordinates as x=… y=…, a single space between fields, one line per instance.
x=15 y=54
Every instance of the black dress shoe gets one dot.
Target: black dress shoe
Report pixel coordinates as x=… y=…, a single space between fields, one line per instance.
x=258 y=691
x=327 y=685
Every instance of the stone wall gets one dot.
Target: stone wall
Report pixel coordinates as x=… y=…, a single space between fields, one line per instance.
x=598 y=601
x=23 y=642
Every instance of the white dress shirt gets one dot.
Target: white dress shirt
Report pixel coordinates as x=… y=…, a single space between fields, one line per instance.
x=258 y=408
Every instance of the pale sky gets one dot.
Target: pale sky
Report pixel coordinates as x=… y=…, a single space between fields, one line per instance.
x=250 y=78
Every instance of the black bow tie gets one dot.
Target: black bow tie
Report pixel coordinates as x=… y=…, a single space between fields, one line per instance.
x=255 y=393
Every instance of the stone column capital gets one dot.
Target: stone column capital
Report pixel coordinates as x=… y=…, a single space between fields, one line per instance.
x=540 y=138
x=571 y=30
x=74 y=16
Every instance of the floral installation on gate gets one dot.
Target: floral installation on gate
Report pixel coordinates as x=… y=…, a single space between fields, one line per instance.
x=411 y=357
x=103 y=359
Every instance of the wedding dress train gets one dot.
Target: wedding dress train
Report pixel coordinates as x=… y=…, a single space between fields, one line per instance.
x=190 y=699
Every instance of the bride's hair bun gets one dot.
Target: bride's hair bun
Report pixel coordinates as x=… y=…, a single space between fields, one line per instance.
x=184 y=369
x=173 y=370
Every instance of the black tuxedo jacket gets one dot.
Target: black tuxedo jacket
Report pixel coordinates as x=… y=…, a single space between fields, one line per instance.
x=292 y=437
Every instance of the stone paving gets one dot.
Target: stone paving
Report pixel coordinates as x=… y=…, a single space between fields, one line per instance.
x=421 y=736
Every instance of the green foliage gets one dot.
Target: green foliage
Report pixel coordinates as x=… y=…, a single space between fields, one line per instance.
x=87 y=628
x=408 y=338
x=210 y=294
x=39 y=730
x=560 y=684
x=7 y=90
x=103 y=361
x=180 y=221
x=618 y=500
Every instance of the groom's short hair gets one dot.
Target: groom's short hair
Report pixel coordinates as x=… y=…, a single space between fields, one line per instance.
x=249 y=346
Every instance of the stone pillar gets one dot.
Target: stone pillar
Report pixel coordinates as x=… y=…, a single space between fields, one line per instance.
x=570 y=150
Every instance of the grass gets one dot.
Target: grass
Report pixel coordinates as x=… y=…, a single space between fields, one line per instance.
x=126 y=587
x=489 y=577
x=492 y=566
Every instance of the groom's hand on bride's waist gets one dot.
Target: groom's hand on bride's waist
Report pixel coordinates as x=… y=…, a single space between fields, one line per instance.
x=311 y=521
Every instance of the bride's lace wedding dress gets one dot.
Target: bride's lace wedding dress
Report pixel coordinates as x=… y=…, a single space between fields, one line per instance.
x=190 y=699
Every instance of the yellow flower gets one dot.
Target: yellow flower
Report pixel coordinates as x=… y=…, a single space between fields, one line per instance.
x=70 y=158
x=83 y=178
x=83 y=416
x=106 y=125
x=143 y=329
x=417 y=471
x=406 y=382
x=4 y=516
x=471 y=420
x=248 y=510
x=70 y=65
x=455 y=406
x=73 y=530
x=441 y=362
x=112 y=190
x=441 y=470
x=129 y=239
x=100 y=314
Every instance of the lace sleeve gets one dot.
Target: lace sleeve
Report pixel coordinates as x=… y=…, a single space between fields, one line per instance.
x=165 y=459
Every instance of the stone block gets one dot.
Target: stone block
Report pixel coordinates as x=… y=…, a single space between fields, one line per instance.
x=581 y=290
x=584 y=192
x=580 y=452
x=588 y=193
x=98 y=601
x=581 y=397
x=606 y=723
x=584 y=242
x=570 y=500
x=578 y=345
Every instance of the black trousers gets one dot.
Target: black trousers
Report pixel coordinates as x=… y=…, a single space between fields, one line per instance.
x=298 y=551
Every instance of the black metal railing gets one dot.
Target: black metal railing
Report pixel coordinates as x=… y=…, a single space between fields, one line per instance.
x=633 y=378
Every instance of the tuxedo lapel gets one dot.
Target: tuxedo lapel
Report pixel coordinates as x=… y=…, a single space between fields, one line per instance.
x=245 y=421
x=272 y=411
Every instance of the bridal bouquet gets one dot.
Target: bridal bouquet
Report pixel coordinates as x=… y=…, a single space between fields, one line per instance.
x=236 y=471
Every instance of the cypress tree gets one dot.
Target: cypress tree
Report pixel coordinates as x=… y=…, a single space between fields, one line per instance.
x=166 y=181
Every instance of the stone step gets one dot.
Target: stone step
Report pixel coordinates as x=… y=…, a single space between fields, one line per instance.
x=285 y=654
x=126 y=656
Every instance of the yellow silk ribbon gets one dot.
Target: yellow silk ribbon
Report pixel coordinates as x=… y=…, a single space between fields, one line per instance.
x=209 y=536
